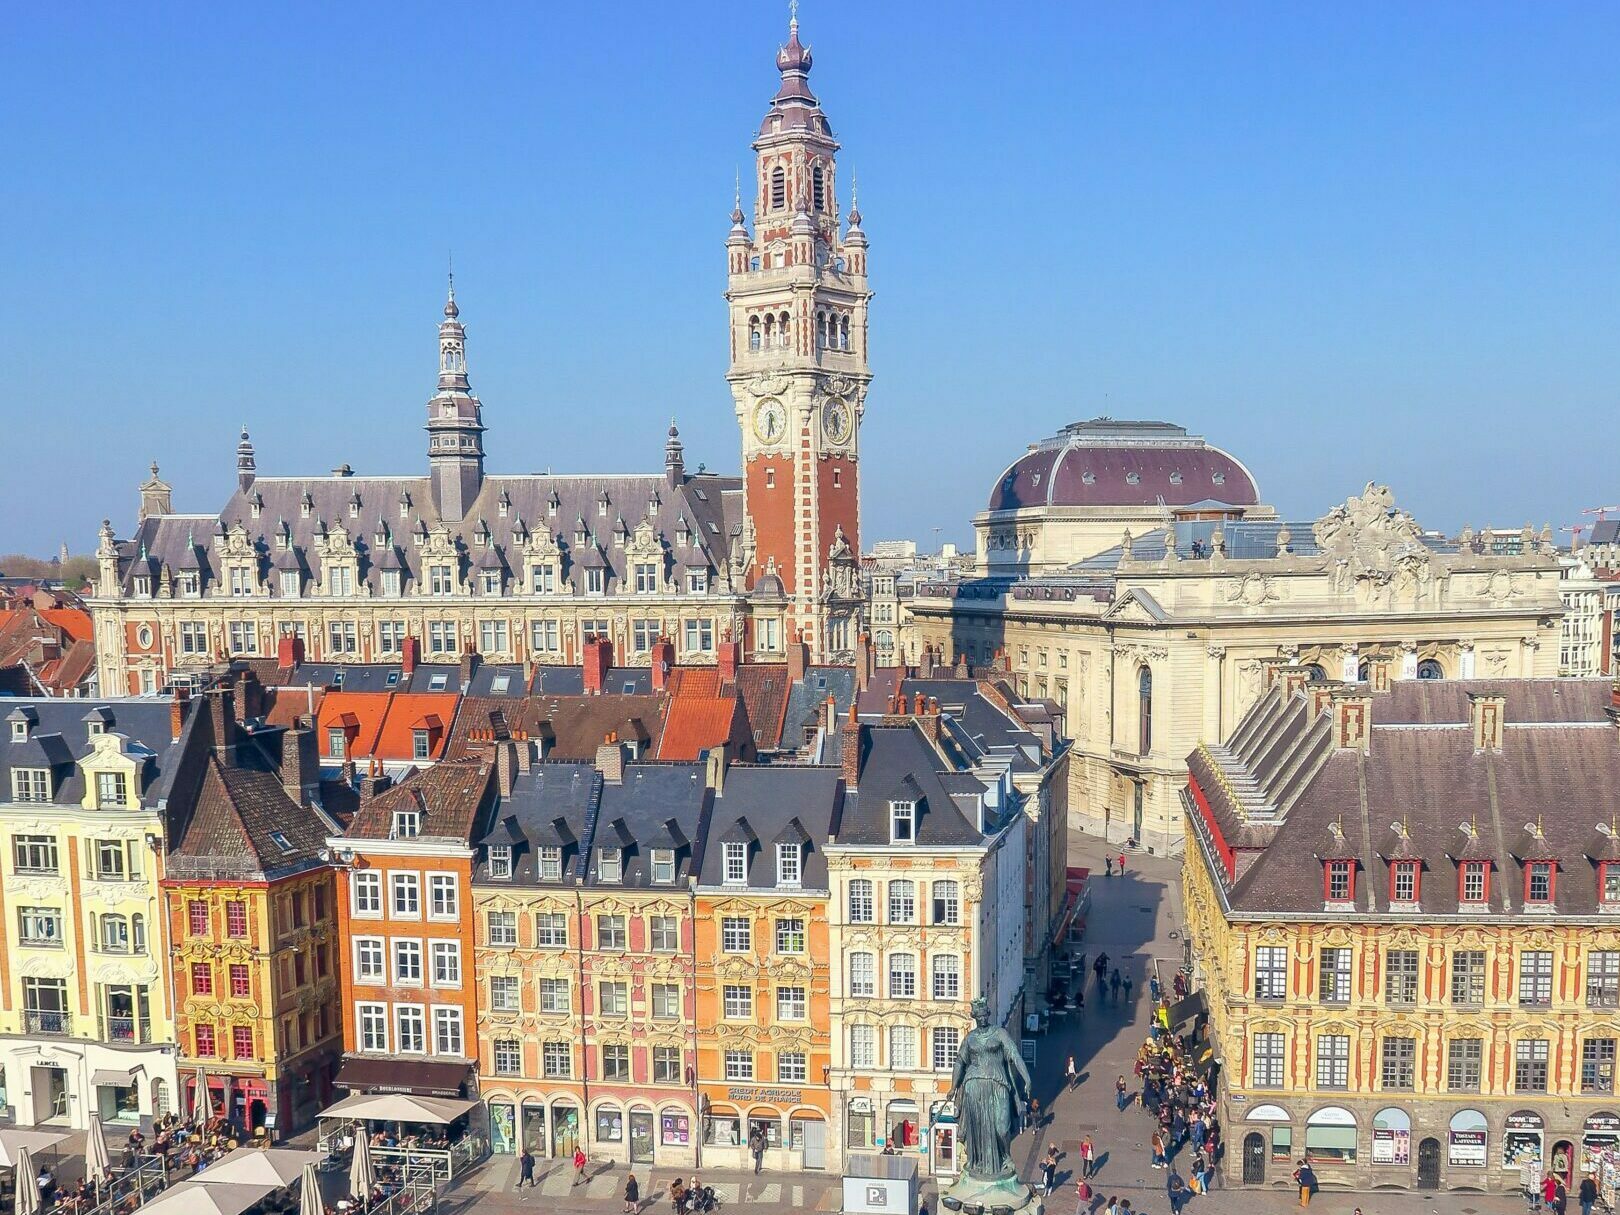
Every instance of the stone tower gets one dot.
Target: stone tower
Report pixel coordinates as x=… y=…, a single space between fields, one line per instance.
x=455 y=423
x=797 y=295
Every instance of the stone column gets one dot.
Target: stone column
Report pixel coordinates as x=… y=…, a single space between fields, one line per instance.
x=1465 y=660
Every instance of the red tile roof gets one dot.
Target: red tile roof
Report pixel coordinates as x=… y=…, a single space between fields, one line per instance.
x=383 y=724
x=703 y=712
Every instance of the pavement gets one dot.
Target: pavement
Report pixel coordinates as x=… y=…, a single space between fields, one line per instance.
x=1137 y=919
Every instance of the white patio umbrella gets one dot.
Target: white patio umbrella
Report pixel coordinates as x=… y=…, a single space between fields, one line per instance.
x=13 y=1142
x=361 y=1175
x=97 y=1163
x=309 y=1193
x=203 y=1103
x=25 y=1184
x=190 y=1198
x=257 y=1166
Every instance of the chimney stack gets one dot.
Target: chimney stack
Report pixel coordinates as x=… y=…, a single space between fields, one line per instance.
x=177 y=711
x=728 y=657
x=865 y=662
x=714 y=769
x=506 y=765
x=851 y=748
x=289 y=654
x=1487 y=714
x=222 y=719
x=598 y=661
x=1321 y=695
x=798 y=657
x=469 y=663
x=300 y=763
x=249 y=697
x=410 y=653
x=1352 y=721
x=663 y=662
x=610 y=760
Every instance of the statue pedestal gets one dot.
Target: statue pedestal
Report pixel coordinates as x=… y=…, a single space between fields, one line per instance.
x=971 y=1196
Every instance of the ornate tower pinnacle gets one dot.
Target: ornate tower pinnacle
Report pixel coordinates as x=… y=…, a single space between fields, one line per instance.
x=245 y=467
x=455 y=422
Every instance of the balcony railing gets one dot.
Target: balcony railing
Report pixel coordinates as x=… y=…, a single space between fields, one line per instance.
x=41 y=942
x=47 y=1021
x=126 y=1029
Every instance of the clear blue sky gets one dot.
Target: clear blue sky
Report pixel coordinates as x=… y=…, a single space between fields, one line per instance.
x=1345 y=241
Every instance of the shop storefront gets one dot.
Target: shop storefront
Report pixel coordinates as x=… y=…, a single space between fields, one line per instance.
x=943 y=1131
x=1392 y=1137
x=1467 y=1140
x=1523 y=1138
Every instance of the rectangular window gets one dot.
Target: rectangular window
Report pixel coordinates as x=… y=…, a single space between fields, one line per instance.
x=544 y=637
x=947 y=902
x=666 y=1064
x=643 y=633
x=1398 y=1064
x=555 y=996
x=863 y=1045
x=35 y=853
x=447 y=1035
x=1597 y=1065
x=1535 y=978
x=1333 y=1061
x=792 y=1004
x=337 y=742
x=616 y=1062
x=505 y=993
x=790 y=936
x=1538 y=882
x=492 y=633
x=666 y=1001
x=500 y=861
x=946 y=1041
x=242 y=1042
x=902 y=822
x=446 y=963
x=735 y=859
x=792 y=1067
x=110 y=858
x=410 y=1029
x=342 y=637
x=1401 y=978
x=508 y=1057
x=373 y=1019
x=1339 y=887
x=610 y=932
x=202 y=979
x=614 y=998
x=788 y=860
x=444 y=901
x=1530 y=1065
x=1333 y=980
x=556 y=1060
x=861 y=903
x=1404 y=883
x=902 y=976
x=902 y=902
x=1468 y=976
x=699 y=635
x=663 y=866
x=367 y=893
x=31 y=784
x=236 y=919
x=407 y=888
x=737 y=1001
x=1464 y=1064
x=1473 y=882
x=551 y=930
x=206 y=1048
x=408 y=962
x=862 y=974
x=197 y=918
x=739 y=1065
x=1271 y=972
x=551 y=864
x=110 y=788
x=40 y=925
x=1603 y=978
x=947 y=975
x=502 y=928
x=368 y=960
x=902 y=1048
x=736 y=934
x=1268 y=1060
x=664 y=931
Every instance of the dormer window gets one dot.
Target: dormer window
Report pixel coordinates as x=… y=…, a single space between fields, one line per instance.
x=1339 y=881
x=190 y=585
x=500 y=860
x=143 y=585
x=407 y=824
x=902 y=822
x=96 y=727
x=19 y=731
x=1403 y=881
x=551 y=864
x=390 y=582
x=1540 y=880
x=734 y=857
x=789 y=864
x=1474 y=883
x=30 y=784
x=610 y=864
x=112 y=790
x=663 y=866
x=337 y=742
x=1609 y=885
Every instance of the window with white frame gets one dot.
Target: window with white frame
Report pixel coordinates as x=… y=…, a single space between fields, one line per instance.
x=556 y=996
x=902 y=976
x=444 y=900
x=947 y=902
x=502 y=928
x=544 y=637
x=550 y=930
x=663 y=865
x=610 y=864
x=790 y=936
x=408 y=962
x=861 y=901
x=505 y=993
x=410 y=1029
x=492 y=633
x=902 y=901
x=700 y=634
x=792 y=1067
x=737 y=1001
x=367 y=888
x=551 y=864
x=863 y=1045
x=31 y=784
x=508 y=1057
x=735 y=858
x=862 y=974
x=947 y=976
x=666 y=1001
x=447 y=1031
x=789 y=859
x=500 y=860
x=902 y=1047
x=947 y=1040
x=407 y=888
x=407 y=824
x=556 y=1060
x=736 y=934
x=373 y=1025
x=739 y=1065
x=664 y=933
x=792 y=1004
x=446 y=963
x=369 y=964
x=902 y=822
x=613 y=997
x=611 y=932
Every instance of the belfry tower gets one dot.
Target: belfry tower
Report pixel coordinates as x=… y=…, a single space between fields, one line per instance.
x=797 y=293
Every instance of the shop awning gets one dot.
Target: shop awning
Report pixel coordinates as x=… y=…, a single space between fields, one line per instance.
x=118 y=1079
x=396 y=1107
x=418 y=1078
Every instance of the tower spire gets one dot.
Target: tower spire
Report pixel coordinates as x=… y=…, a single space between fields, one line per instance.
x=245 y=466
x=455 y=420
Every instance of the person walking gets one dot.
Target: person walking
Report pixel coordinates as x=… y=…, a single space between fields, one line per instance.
x=1121 y=1093
x=1113 y=984
x=1157 y=1143
x=1086 y=1151
x=632 y=1195
x=1034 y=1110
x=579 y=1166
x=526 y=1169
x=1071 y=1077
x=1587 y=1194
x=1121 y=864
x=1108 y=866
x=1549 y=1189
x=1560 y=1196
x=1176 y=1190
x=1048 y=1173
x=1127 y=989
x=1305 y=1179
x=756 y=1145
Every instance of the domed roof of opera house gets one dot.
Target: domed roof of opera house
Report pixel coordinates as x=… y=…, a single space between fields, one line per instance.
x=1104 y=463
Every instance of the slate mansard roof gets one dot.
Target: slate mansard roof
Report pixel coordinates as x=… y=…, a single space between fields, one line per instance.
x=767 y=805
x=1280 y=797
x=898 y=763
x=387 y=517
x=59 y=737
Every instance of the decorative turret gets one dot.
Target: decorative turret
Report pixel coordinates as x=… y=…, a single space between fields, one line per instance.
x=107 y=559
x=455 y=423
x=244 y=462
x=156 y=496
x=674 y=457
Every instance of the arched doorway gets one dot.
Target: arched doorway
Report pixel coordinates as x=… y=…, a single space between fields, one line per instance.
x=1429 y=1164
x=1562 y=1163
x=564 y=1130
x=1254 y=1158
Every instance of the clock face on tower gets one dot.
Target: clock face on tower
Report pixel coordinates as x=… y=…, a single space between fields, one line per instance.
x=770 y=421
x=835 y=420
